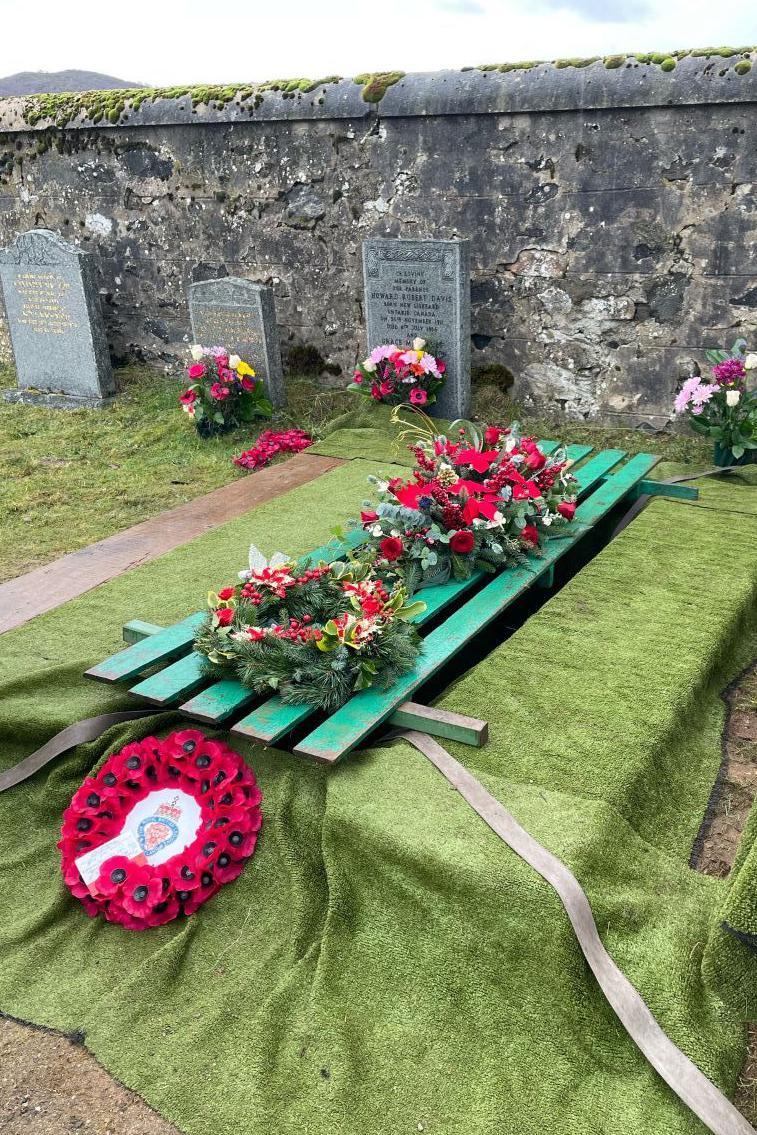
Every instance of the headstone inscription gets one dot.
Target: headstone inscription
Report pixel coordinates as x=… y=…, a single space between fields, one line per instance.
x=422 y=287
x=238 y=314
x=55 y=320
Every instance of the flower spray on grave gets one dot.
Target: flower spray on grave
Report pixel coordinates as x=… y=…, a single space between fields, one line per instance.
x=314 y=635
x=399 y=375
x=725 y=408
x=223 y=392
x=480 y=498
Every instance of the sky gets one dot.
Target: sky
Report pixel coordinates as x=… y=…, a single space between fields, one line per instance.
x=164 y=42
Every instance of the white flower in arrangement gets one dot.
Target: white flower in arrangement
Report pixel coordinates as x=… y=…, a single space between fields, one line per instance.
x=546 y=518
x=732 y=397
x=496 y=521
x=369 y=365
x=196 y=351
x=377 y=530
x=258 y=562
x=382 y=486
x=510 y=444
x=234 y=361
x=419 y=344
x=750 y=362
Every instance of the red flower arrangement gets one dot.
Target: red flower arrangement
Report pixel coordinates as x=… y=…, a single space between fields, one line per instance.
x=223 y=391
x=270 y=444
x=159 y=829
x=400 y=374
x=484 y=500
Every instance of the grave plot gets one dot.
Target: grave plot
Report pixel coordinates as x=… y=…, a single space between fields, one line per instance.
x=458 y=612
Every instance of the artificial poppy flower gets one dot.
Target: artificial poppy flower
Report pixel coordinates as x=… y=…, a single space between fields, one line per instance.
x=142 y=890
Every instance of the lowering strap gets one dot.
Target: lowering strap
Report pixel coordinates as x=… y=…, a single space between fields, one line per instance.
x=678 y=1072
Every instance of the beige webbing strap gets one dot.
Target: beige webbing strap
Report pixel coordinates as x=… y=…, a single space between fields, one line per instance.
x=77 y=734
x=641 y=502
x=683 y=1076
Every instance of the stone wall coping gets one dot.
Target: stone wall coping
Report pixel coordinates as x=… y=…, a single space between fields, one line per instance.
x=611 y=83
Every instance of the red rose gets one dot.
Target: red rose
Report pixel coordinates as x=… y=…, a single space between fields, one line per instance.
x=225 y=616
x=530 y=534
x=391 y=547
x=462 y=542
x=567 y=509
x=492 y=434
x=196 y=371
x=227 y=593
x=369 y=516
x=536 y=459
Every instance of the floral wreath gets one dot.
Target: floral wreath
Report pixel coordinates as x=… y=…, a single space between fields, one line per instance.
x=480 y=499
x=315 y=635
x=159 y=829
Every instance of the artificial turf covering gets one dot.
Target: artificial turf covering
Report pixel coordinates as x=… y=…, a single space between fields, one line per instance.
x=385 y=964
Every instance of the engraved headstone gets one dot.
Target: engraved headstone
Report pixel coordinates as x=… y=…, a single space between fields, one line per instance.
x=55 y=320
x=422 y=287
x=240 y=315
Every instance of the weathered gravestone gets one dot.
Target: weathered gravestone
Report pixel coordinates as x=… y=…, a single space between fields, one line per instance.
x=422 y=287
x=240 y=315
x=55 y=320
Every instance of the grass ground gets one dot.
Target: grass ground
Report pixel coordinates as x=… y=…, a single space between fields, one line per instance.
x=68 y=479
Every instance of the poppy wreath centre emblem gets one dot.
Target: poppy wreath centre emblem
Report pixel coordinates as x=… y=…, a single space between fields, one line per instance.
x=159 y=829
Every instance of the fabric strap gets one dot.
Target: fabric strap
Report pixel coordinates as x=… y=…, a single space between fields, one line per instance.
x=77 y=734
x=641 y=502
x=679 y=1073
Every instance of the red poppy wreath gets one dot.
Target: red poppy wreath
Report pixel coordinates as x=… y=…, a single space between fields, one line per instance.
x=159 y=829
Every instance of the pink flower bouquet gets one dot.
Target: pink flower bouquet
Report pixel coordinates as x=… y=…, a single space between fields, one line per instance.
x=400 y=374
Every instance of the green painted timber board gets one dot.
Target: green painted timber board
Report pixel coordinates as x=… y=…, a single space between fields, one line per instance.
x=137 y=629
x=219 y=701
x=162 y=647
x=366 y=710
x=174 y=682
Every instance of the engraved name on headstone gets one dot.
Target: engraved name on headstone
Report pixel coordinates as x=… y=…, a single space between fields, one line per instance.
x=55 y=320
x=422 y=287
x=240 y=315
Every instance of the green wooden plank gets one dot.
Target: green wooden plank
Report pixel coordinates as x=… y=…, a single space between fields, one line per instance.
x=274 y=718
x=441 y=723
x=577 y=453
x=137 y=629
x=174 y=682
x=165 y=646
x=368 y=709
x=219 y=701
x=647 y=488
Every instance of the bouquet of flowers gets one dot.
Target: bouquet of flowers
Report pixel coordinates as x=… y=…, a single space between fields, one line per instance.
x=315 y=635
x=223 y=392
x=399 y=374
x=480 y=500
x=725 y=409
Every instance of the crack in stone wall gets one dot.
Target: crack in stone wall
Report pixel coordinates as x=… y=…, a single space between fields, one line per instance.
x=610 y=247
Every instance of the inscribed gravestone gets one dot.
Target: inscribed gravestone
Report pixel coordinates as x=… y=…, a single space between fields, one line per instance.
x=422 y=287
x=240 y=315
x=55 y=320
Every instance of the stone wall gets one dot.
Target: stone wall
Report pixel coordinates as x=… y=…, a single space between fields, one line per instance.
x=611 y=212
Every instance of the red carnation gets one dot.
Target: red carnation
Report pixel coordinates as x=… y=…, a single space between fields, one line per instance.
x=225 y=616
x=227 y=593
x=462 y=542
x=391 y=547
x=567 y=509
x=530 y=533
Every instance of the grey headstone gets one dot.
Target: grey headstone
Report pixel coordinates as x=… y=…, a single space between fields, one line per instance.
x=55 y=319
x=422 y=287
x=240 y=315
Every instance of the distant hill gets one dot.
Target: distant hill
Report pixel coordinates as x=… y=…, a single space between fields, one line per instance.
x=54 y=82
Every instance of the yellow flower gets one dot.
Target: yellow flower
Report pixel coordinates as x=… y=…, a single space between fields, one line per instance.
x=243 y=369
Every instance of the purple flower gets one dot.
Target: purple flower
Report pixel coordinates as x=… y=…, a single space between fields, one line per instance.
x=684 y=395
x=732 y=370
x=704 y=393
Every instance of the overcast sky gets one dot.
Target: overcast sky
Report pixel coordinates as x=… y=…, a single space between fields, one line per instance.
x=188 y=41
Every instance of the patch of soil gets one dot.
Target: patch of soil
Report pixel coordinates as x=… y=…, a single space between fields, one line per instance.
x=737 y=785
x=51 y=1086
x=730 y=807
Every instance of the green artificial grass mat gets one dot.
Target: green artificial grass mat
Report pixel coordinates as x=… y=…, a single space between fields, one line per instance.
x=385 y=963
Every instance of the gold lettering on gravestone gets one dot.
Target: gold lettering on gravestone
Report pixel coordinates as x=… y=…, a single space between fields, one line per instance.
x=225 y=327
x=43 y=303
